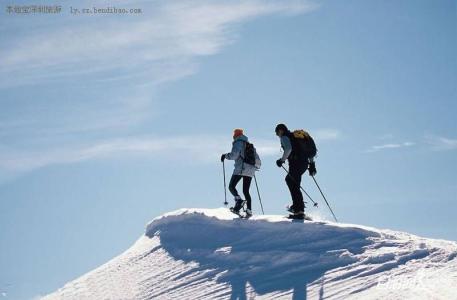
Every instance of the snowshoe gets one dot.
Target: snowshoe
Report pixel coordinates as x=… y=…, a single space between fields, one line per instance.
x=239 y=205
x=236 y=212
x=239 y=214
x=296 y=217
x=299 y=217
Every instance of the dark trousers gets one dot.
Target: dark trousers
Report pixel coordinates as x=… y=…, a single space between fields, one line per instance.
x=246 y=185
x=293 y=180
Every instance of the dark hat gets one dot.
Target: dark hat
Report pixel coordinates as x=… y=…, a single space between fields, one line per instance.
x=281 y=127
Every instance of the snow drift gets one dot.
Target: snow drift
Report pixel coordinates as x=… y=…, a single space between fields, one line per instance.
x=210 y=254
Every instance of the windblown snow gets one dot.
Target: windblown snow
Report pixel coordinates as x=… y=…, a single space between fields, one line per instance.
x=211 y=254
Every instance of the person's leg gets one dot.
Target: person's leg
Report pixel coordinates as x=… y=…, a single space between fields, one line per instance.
x=299 y=171
x=293 y=180
x=292 y=185
x=232 y=188
x=246 y=185
x=232 y=185
x=299 y=203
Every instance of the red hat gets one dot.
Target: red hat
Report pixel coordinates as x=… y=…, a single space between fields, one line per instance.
x=237 y=132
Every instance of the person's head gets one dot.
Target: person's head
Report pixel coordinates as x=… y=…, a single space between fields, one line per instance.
x=281 y=129
x=237 y=132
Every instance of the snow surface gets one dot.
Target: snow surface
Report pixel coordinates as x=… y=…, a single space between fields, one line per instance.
x=211 y=254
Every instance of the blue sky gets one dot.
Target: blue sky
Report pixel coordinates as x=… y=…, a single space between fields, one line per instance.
x=108 y=121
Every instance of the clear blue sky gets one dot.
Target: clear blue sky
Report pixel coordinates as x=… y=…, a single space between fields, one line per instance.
x=108 y=121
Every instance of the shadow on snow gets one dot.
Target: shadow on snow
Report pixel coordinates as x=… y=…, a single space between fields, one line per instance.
x=270 y=256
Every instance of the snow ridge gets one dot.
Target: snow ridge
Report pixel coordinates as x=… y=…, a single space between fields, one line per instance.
x=210 y=254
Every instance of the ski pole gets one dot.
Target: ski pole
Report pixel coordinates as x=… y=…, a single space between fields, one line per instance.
x=314 y=202
x=225 y=185
x=325 y=199
x=258 y=193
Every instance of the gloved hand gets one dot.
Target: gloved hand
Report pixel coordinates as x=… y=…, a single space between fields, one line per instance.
x=223 y=157
x=279 y=163
x=312 y=168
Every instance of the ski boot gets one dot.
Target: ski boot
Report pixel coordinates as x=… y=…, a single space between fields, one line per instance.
x=238 y=205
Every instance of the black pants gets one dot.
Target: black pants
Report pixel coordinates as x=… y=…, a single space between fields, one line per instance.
x=293 y=180
x=246 y=185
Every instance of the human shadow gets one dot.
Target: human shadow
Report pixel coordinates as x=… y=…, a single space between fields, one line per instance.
x=273 y=257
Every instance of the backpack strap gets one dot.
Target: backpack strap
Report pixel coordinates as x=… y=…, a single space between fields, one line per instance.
x=242 y=158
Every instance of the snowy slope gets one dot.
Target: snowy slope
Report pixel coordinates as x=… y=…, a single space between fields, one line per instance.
x=210 y=254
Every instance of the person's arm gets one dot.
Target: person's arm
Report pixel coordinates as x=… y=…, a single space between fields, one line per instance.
x=236 y=151
x=286 y=146
x=258 y=162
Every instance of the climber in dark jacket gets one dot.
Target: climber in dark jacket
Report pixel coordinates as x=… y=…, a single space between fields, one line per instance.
x=297 y=167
